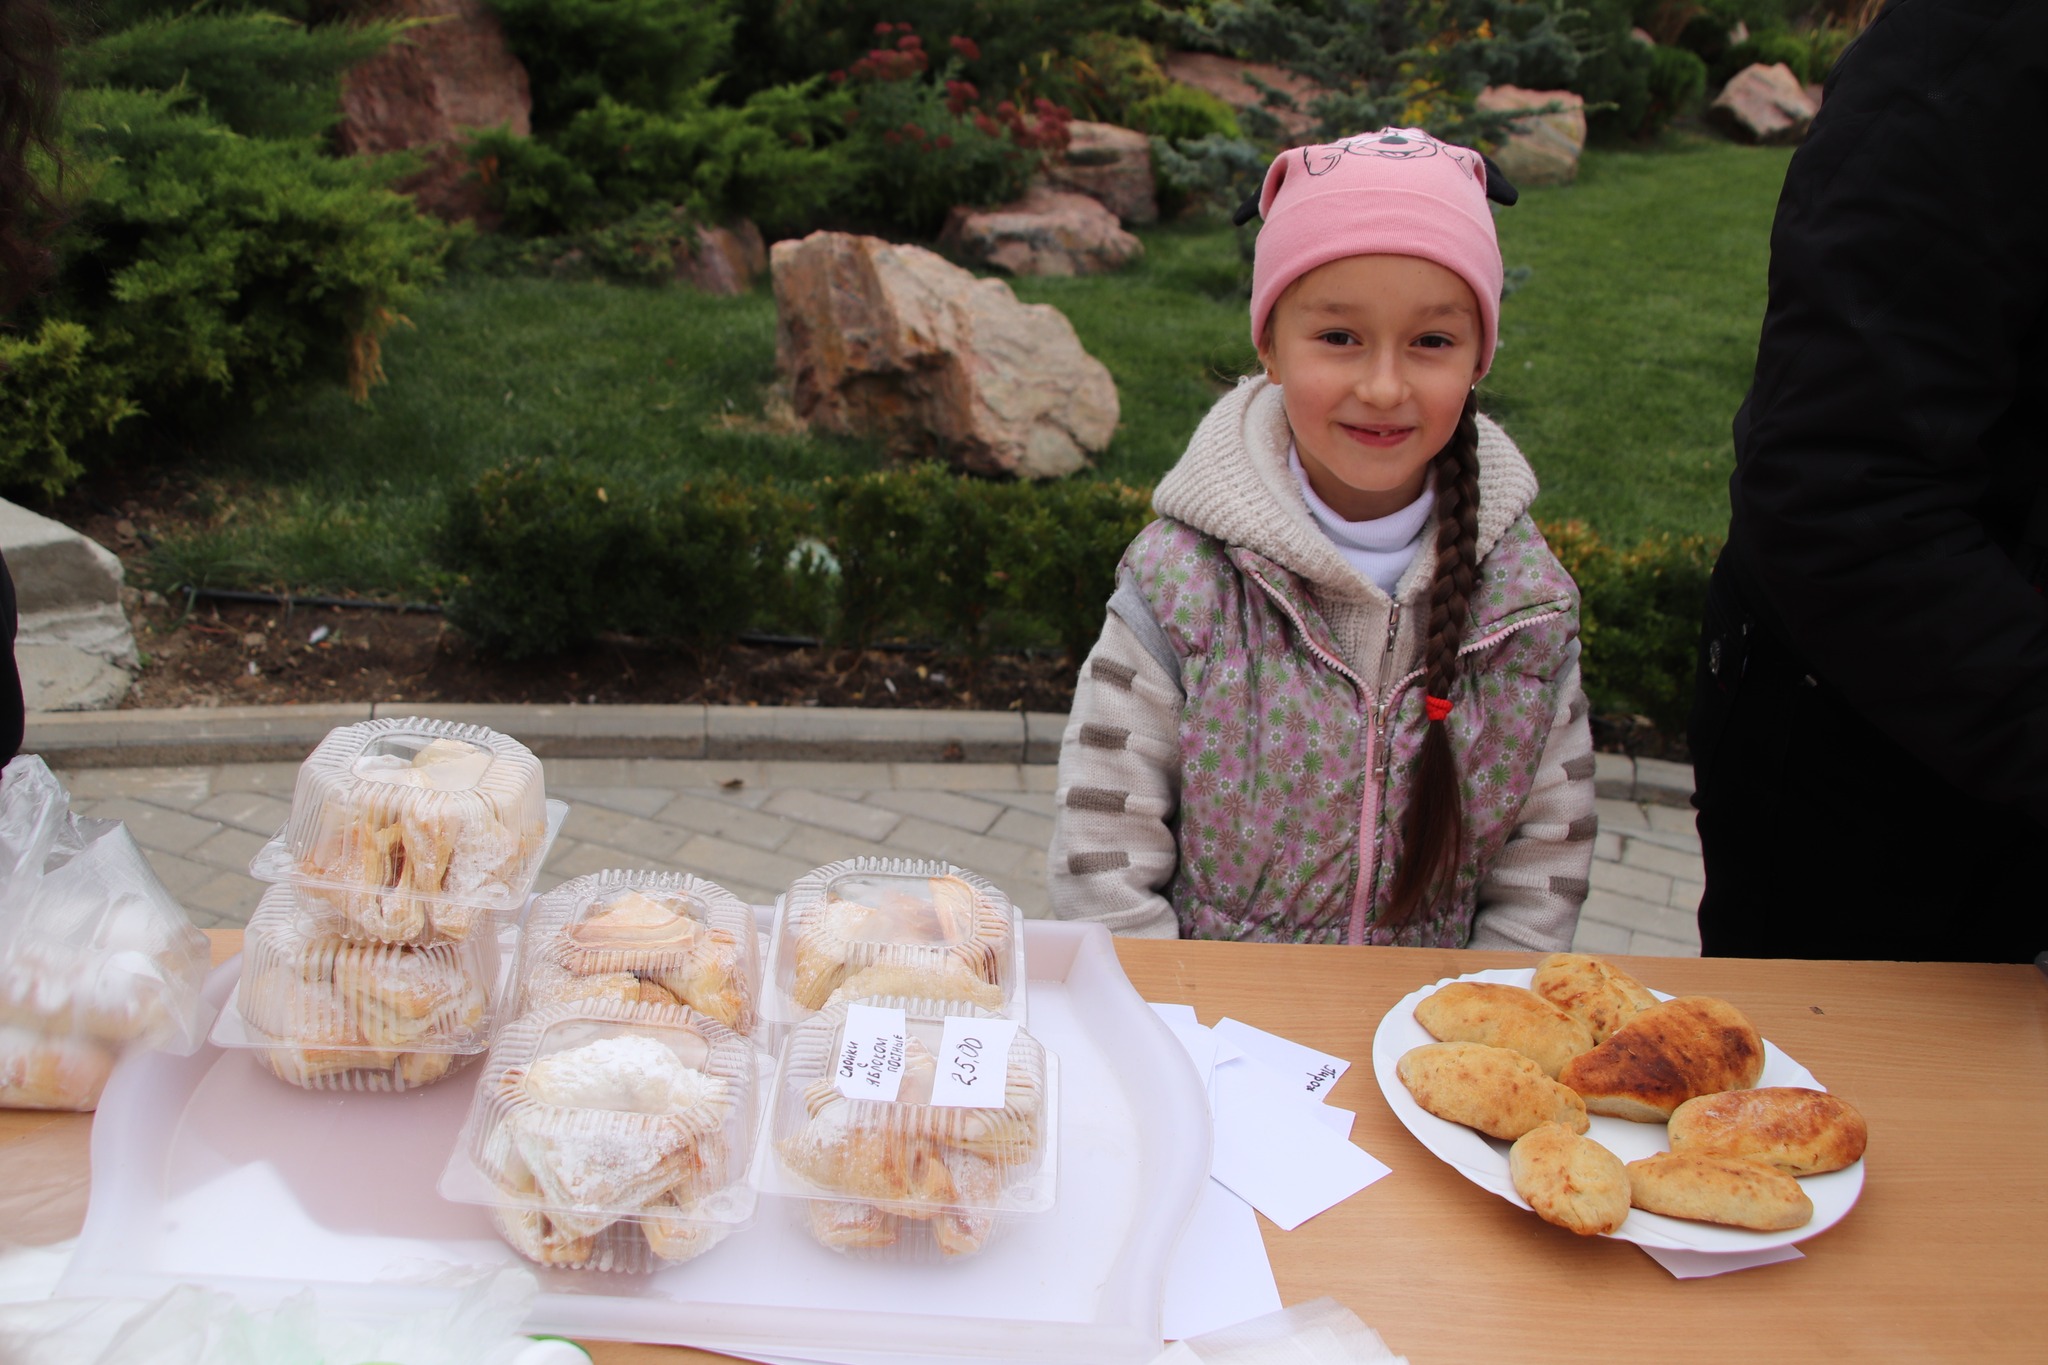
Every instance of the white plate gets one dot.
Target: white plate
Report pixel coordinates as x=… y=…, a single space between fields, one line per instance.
x=208 y=1170
x=1484 y=1160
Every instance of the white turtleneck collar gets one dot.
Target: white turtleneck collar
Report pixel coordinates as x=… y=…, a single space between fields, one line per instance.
x=1381 y=549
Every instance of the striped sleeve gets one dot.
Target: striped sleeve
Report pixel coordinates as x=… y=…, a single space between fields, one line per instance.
x=1531 y=897
x=1113 y=849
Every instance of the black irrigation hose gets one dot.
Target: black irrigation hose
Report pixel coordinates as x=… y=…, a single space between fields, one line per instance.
x=291 y=601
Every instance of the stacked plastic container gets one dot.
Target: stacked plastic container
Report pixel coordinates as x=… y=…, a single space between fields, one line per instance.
x=615 y=1119
x=373 y=962
x=911 y=1114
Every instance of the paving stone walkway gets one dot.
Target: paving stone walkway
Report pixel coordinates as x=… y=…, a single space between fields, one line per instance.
x=753 y=826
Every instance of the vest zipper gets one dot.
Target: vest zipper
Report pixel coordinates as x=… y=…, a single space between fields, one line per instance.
x=1370 y=810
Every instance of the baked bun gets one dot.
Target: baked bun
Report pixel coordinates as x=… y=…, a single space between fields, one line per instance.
x=1504 y=1016
x=1670 y=1053
x=1569 y=1180
x=1592 y=990
x=1718 y=1189
x=1501 y=1093
x=1789 y=1128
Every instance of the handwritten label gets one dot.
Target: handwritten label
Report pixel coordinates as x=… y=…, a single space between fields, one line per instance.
x=870 y=1061
x=1321 y=1077
x=974 y=1063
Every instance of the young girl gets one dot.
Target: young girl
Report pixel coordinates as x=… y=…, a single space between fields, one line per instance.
x=1337 y=697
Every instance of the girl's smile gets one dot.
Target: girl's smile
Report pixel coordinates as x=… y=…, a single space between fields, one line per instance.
x=1375 y=356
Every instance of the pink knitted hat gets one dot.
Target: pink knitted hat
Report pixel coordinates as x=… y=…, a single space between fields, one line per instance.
x=1396 y=192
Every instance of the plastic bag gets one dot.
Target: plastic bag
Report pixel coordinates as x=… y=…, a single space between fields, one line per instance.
x=1320 y=1332
x=95 y=954
x=194 y=1326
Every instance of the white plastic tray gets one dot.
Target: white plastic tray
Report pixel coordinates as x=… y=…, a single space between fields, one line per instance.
x=209 y=1170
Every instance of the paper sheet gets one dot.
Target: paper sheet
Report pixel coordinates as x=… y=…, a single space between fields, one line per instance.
x=1694 y=1265
x=1318 y=1072
x=1274 y=1153
x=1247 y=1080
x=1220 y=1275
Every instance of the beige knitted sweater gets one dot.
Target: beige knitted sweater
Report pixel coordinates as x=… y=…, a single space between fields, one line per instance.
x=1234 y=483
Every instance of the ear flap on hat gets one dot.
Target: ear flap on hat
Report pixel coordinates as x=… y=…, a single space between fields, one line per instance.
x=1497 y=187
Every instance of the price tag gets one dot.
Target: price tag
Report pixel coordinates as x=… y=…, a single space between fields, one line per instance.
x=974 y=1063
x=870 y=1065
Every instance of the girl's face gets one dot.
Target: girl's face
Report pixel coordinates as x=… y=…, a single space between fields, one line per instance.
x=1374 y=356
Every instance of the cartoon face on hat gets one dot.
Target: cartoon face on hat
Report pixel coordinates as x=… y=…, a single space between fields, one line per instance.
x=1393 y=192
x=1401 y=144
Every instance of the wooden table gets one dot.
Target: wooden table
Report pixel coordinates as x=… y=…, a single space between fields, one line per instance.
x=1944 y=1258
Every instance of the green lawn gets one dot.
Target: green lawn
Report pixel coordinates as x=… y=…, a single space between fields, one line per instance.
x=1629 y=347
x=1624 y=356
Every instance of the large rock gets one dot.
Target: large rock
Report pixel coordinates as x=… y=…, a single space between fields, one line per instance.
x=724 y=260
x=1541 y=148
x=1047 y=232
x=425 y=91
x=896 y=342
x=73 y=644
x=1112 y=166
x=1764 y=104
x=1224 y=77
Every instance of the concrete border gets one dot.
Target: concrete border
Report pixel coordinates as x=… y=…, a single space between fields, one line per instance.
x=255 y=734
x=252 y=734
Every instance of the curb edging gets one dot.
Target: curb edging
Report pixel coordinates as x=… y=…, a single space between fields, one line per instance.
x=255 y=734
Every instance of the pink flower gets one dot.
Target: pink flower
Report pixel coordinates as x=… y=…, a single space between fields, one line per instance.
x=967 y=49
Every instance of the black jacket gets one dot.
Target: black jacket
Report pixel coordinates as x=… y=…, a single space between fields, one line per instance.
x=1893 y=449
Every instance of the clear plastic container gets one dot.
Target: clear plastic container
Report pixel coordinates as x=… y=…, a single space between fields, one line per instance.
x=643 y=938
x=331 y=1013
x=415 y=830
x=610 y=1136
x=908 y=1178
x=895 y=927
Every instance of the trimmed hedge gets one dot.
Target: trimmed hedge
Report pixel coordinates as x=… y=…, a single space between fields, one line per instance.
x=547 y=555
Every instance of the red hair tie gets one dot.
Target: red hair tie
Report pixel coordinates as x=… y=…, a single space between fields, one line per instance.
x=1439 y=708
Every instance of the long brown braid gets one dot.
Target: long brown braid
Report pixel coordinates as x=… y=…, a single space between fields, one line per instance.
x=1433 y=827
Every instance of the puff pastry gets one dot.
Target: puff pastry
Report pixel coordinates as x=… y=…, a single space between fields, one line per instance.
x=615 y=1128
x=657 y=942
x=907 y=1162
x=950 y=944
x=396 y=1015
x=418 y=841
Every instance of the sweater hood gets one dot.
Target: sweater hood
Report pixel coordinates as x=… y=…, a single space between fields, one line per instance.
x=1234 y=483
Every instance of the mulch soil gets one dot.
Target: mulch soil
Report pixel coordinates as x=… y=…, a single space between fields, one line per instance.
x=216 y=653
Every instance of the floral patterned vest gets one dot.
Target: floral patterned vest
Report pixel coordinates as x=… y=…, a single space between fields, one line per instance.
x=1295 y=768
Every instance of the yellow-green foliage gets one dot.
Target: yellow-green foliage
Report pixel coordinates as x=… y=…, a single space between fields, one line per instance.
x=1639 y=620
x=54 y=393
